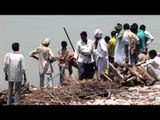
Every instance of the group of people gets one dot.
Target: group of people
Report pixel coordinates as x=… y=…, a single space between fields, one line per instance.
x=15 y=72
x=91 y=57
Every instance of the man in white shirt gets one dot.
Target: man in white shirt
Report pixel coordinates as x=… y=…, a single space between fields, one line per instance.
x=148 y=34
x=153 y=65
x=84 y=56
x=14 y=70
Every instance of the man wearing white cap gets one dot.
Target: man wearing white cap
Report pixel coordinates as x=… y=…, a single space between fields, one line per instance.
x=45 y=58
x=101 y=53
x=97 y=35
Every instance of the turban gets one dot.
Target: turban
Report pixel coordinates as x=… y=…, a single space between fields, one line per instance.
x=118 y=26
x=46 y=41
x=98 y=33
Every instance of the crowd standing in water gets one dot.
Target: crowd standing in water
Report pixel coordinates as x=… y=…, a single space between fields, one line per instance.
x=126 y=44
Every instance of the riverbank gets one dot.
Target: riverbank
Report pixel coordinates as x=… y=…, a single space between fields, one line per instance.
x=137 y=95
x=88 y=92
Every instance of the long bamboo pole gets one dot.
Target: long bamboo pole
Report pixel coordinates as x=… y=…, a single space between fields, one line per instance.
x=69 y=39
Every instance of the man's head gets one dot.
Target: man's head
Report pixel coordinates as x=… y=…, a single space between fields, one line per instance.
x=107 y=38
x=134 y=28
x=15 y=46
x=98 y=33
x=152 y=54
x=63 y=43
x=118 y=27
x=143 y=27
x=46 y=42
x=83 y=35
x=113 y=33
x=126 y=26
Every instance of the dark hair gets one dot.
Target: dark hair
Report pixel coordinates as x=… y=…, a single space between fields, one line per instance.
x=152 y=54
x=126 y=26
x=113 y=33
x=84 y=33
x=15 y=46
x=143 y=27
x=134 y=28
x=64 y=43
x=107 y=38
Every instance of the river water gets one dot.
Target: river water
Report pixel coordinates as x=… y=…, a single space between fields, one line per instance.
x=29 y=30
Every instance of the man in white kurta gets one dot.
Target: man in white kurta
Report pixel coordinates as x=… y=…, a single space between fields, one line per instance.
x=102 y=60
x=120 y=56
x=98 y=36
x=120 y=49
x=45 y=56
x=153 y=65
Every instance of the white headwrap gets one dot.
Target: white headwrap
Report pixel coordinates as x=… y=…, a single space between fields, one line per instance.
x=98 y=33
x=46 y=41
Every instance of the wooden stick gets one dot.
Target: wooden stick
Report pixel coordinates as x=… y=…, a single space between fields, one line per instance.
x=68 y=38
x=115 y=72
x=106 y=77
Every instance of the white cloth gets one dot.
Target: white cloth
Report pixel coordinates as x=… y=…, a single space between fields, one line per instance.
x=46 y=41
x=95 y=49
x=155 y=62
x=6 y=62
x=44 y=56
x=6 y=58
x=120 y=55
x=150 y=37
x=98 y=33
x=102 y=57
x=16 y=67
x=154 y=67
x=84 y=47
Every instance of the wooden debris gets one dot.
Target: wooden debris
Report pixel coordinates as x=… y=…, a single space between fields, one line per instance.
x=75 y=91
x=116 y=72
x=145 y=76
x=82 y=91
x=104 y=75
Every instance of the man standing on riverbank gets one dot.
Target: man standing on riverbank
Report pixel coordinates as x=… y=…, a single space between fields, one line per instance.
x=14 y=70
x=45 y=58
x=84 y=56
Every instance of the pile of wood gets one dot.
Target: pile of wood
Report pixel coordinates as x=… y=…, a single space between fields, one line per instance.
x=79 y=91
x=129 y=75
x=3 y=96
x=26 y=89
